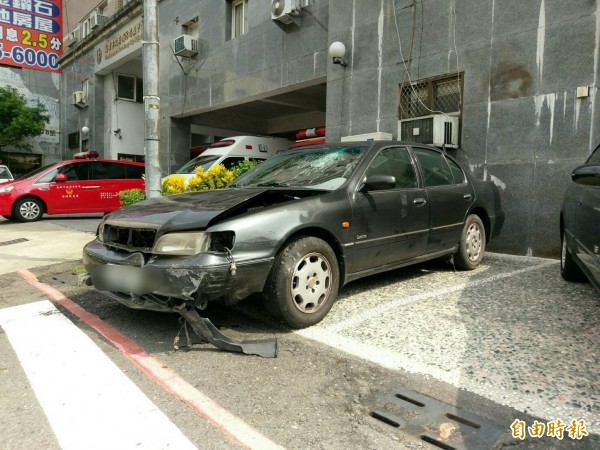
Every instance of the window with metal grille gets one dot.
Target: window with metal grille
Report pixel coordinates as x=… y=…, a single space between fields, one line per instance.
x=432 y=96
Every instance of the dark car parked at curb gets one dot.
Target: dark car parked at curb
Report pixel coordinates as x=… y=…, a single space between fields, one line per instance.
x=580 y=224
x=296 y=228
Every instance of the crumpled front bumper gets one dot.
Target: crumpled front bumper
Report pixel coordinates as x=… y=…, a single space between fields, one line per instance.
x=159 y=283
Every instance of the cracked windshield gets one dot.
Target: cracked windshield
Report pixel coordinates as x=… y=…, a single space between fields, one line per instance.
x=323 y=168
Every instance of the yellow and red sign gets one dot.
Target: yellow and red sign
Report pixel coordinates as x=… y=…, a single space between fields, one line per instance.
x=31 y=34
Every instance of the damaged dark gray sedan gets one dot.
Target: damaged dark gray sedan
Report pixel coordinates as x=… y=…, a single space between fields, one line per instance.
x=296 y=228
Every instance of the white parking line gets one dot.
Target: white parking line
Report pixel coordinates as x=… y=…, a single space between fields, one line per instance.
x=381 y=309
x=89 y=402
x=338 y=335
x=238 y=431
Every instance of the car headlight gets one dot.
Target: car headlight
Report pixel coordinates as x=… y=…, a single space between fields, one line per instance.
x=182 y=244
x=6 y=189
x=100 y=231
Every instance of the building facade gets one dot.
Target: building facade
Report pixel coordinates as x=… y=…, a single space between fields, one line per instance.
x=509 y=86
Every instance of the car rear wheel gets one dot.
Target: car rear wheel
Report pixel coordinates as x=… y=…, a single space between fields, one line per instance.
x=472 y=244
x=569 y=269
x=28 y=210
x=303 y=283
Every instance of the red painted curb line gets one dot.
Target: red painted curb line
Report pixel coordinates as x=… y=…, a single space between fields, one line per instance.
x=226 y=422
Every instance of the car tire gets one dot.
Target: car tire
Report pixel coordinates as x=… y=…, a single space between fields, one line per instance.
x=471 y=247
x=569 y=269
x=303 y=283
x=28 y=209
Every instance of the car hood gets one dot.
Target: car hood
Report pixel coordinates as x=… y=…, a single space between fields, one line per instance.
x=183 y=211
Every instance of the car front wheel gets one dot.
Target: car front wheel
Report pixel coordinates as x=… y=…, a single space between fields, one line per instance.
x=569 y=269
x=303 y=283
x=472 y=244
x=28 y=210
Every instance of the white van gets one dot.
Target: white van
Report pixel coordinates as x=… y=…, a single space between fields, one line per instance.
x=231 y=151
x=5 y=174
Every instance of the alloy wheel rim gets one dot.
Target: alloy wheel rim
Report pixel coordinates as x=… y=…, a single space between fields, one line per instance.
x=563 y=253
x=311 y=283
x=29 y=210
x=473 y=242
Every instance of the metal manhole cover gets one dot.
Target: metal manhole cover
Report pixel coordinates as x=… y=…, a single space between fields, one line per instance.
x=14 y=241
x=437 y=423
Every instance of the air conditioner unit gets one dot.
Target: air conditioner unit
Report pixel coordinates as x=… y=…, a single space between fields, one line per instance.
x=285 y=11
x=73 y=36
x=97 y=20
x=185 y=45
x=79 y=99
x=438 y=129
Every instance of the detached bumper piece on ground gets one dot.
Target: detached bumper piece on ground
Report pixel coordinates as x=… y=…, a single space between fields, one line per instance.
x=267 y=348
x=203 y=327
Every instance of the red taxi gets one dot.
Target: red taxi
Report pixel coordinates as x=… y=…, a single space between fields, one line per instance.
x=74 y=186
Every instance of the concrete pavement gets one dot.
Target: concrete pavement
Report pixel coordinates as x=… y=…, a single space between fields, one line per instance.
x=35 y=244
x=511 y=331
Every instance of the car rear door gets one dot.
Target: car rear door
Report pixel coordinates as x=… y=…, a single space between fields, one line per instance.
x=389 y=225
x=109 y=178
x=449 y=196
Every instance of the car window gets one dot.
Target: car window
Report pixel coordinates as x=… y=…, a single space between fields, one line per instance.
x=394 y=161
x=102 y=170
x=203 y=160
x=134 y=172
x=48 y=177
x=595 y=157
x=436 y=171
x=36 y=172
x=229 y=163
x=75 y=171
x=457 y=172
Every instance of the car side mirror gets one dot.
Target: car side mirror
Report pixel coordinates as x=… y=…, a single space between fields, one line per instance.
x=588 y=175
x=61 y=177
x=379 y=183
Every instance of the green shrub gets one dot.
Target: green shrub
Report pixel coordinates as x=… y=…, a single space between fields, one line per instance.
x=243 y=167
x=131 y=196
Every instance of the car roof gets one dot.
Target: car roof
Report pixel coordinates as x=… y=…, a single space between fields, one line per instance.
x=124 y=161
x=377 y=143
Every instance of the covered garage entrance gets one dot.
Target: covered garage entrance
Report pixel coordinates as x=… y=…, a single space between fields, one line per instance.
x=279 y=113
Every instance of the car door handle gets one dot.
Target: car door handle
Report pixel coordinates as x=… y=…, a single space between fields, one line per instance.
x=467 y=197
x=90 y=187
x=419 y=201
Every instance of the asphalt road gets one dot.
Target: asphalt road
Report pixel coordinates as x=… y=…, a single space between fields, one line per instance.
x=510 y=340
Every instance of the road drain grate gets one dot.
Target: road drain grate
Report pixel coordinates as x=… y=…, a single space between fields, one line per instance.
x=437 y=423
x=14 y=241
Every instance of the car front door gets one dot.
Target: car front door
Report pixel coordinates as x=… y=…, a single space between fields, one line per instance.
x=390 y=225
x=72 y=195
x=449 y=196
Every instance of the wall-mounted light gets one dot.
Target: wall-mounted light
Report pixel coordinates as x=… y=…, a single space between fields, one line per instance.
x=85 y=132
x=337 y=51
